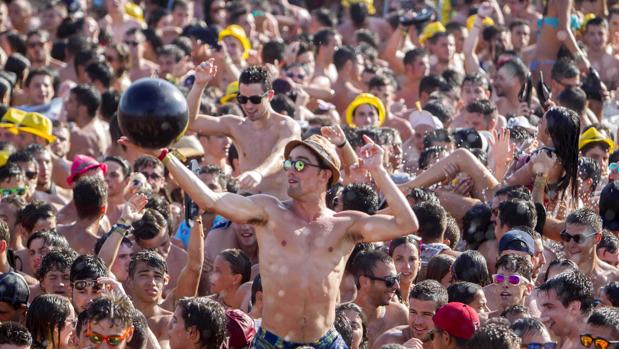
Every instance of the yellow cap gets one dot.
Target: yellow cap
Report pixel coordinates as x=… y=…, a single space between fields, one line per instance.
x=487 y=22
x=4 y=157
x=237 y=32
x=134 y=11
x=365 y=98
x=592 y=135
x=11 y=120
x=369 y=3
x=231 y=91
x=38 y=125
x=429 y=31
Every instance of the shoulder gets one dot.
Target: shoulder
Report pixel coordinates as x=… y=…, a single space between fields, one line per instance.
x=396 y=308
x=394 y=334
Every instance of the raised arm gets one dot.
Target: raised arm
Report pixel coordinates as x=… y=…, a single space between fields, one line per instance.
x=189 y=279
x=379 y=227
x=204 y=123
x=235 y=207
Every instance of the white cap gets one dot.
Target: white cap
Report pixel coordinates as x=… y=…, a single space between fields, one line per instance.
x=423 y=117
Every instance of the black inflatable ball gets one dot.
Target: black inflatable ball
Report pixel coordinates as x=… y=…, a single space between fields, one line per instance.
x=153 y=113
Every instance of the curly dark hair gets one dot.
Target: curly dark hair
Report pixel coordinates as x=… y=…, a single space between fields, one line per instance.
x=207 y=317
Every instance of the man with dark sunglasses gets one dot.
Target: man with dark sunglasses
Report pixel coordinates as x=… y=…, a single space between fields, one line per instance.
x=377 y=283
x=30 y=166
x=85 y=271
x=602 y=329
x=260 y=136
x=303 y=245
x=583 y=232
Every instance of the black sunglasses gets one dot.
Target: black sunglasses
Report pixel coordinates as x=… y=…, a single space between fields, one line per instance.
x=132 y=43
x=31 y=174
x=81 y=285
x=257 y=99
x=388 y=280
x=578 y=238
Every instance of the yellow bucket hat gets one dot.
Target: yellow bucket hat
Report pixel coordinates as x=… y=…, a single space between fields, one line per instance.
x=592 y=135
x=487 y=22
x=429 y=31
x=237 y=32
x=369 y=3
x=365 y=98
x=38 y=125
x=231 y=91
x=12 y=119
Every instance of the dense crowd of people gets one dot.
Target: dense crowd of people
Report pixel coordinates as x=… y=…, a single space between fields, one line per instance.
x=358 y=174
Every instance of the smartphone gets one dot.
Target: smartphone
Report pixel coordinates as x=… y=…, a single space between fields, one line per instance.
x=191 y=208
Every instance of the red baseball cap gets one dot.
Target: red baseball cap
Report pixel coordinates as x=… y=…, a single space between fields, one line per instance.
x=458 y=319
x=241 y=329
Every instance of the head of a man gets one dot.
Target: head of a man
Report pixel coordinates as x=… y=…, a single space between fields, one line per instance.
x=564 y=74
x=117 y=175
x=481 y=115
x=43 y=157
x=151 y=232
x=311 y=166
x=492 y=336
x=583 y=231
x=596 y=34
x=255 y=93
x=608 y=249
x=376 y=277
x=454 y=324
x=14 y=295
x=198 y=322
x=347 y=63
x=470 y=294
x=148 y=276
x=27 y=162
x=509 y=78
x=416 y=64
x=443 y=46
x=432 y=222
x=512 y=282
x=40 y=86
x=425 y=298
x=514 y=213
x=90 y=198
x=520 y=34
x=565 y=301
x=153 y=170
x=531 y=331
x=42 y=242
x=55 y=271
x=602 y=328
x=120 y=267
x=85 y=271
x=38 y=47
x=14 y=336
x=82 y=104
x=110 y=322
x=326 y=41
x=474 y=87
x=231 y=269
x=214 y=178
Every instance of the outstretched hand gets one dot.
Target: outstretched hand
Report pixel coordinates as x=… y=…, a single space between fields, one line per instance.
x=334 y=134
x=134 y=208
x=371 y=155
x=205 y=72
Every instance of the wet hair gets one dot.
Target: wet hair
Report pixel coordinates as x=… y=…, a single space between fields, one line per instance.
x=564 y=128
x=485 y=107
x=515 y=310
x=430 y=290
x=342 y=55
x=40 y=71
x=491 y=336
x=46 y=317
x=463 y=292
x=431 y=83
x=9 y=171
x=513 y=213
x=87 y=267
x=360 y=197
x=149 y=257
x=439 y=266
x=140 y=326
x=13 y=333
x=585 y=217
x=438 y=109
x=273 y=51
x=355 y=308
x=561 y=262
x=150 y=225
x=611 y=290
x=471 y=266
x=573 y=98
x=528 y=326
x=564 y=68
x=609 y=241
x=118 y=311
x=283 y=104
x=146 y=161
x=22 y=156
x=519 y=192
x=102 y=72
x=216 y=172
x=207 y=317
x=5 y=233
x=432 y=221
x=90 y=197
x=256 y=75
x=452 y=232
x=343 y=327
x=571 y=286
x=17 y=63
x=239 y=263
x=56 y=260
x=477 y=225
x=606 y=317
x=322 y=37
x=365 y=262
x=517 y=68
x=427 y=154
x=51 y=239
x=589 y=169
x=476 y=79
x=515 y=264
x=28 y=216
x=421 y=195
x=124 y=164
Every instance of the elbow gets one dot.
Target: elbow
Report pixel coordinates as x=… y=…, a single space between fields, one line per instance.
x=408 y=223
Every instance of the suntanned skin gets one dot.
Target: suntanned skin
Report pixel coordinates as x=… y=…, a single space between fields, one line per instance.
x=303 y=245
x=260 y=137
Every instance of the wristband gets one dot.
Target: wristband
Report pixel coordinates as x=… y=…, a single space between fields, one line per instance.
x=164 y=153
x=342 y=145
x=122 y=229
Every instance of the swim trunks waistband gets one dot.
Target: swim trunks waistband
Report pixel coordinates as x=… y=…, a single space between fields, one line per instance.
x=268 y=340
